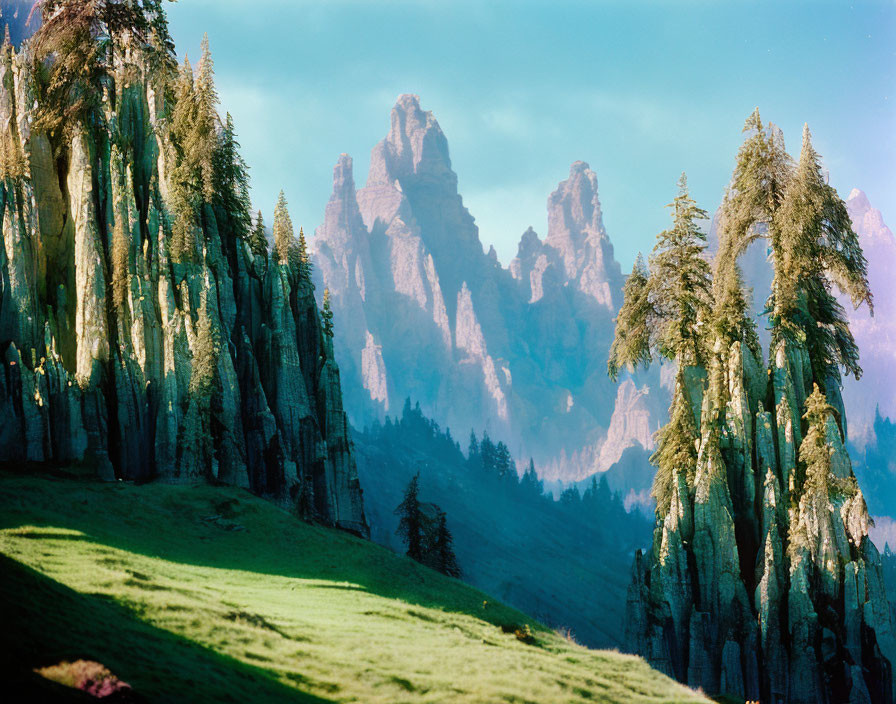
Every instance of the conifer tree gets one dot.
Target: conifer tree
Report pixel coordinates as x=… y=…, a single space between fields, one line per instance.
x=441 y=552
x=326 y=315
x=666 y=312
x=84 y=39
x=410 y=524
x=232 y=181
x=304 y=260
x=631 y=343
x=761 y=174
x=203 y=372
x=665 y=309
x=258 y=242
x=818 y=250
x=530 y=481
x=197 y=426
x=202 y=143
x=183 y=198
x=284 y=235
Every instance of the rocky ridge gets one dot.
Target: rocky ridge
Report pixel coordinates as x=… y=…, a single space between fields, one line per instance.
x=425 y=313
x=106 y=377
x=739 y=601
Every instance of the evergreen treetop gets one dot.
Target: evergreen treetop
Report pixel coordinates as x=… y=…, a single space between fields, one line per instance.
x=85 y=40
x=665 y=308
x=258 y=242
x=231 y=178
x=410 y=524
x=284 y=235
x=819 y=250
x=326 y=315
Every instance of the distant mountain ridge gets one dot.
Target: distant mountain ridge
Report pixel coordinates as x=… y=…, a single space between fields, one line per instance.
x=423 y=311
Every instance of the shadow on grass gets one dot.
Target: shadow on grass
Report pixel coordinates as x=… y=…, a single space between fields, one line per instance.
x=45 y=622
x=171 y=522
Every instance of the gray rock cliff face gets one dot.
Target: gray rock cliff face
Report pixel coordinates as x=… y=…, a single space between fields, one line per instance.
x=757 y=585
x=109 y=384
x=424 y=312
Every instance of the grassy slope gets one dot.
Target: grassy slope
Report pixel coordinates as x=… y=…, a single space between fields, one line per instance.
x=257 y=606
x=548 y=563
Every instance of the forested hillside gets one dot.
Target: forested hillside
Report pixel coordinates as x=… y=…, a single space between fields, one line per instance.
x=564 y=561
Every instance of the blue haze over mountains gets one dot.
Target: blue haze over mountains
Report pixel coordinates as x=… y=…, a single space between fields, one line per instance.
x=423 y=311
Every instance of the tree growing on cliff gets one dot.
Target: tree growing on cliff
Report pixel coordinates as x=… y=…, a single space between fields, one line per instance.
x=258 y=241
x=819 y=250
x=284 y=235
x=84 y=40
x=326 y=315
x=665 y=312
x=231 y=177
x=303 y=259
x=202 y=140
x=631 y=346
x=666 y=307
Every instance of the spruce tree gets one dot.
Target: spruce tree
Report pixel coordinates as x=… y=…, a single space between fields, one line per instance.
x=819 y=250
x=258 y=241
x=442 y=554
x=326 y=315
x=303 y=258
x=232 y=182
x=530 y=481
x=70 y=84
x=666 y=312
x=665 y=309
x=473 y=449
x=631 y=342
x=284 y=235
x=203 y=372
x=411 y=521
x=203 y=141
x=183 y=191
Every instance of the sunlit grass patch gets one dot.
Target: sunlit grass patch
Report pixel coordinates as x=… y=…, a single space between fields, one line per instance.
x=184 y=610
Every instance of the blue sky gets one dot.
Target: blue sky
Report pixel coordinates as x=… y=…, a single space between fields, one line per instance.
x=641 y=90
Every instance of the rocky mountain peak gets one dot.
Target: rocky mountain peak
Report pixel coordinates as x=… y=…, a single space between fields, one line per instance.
x=415 y=148
x=342 y=225
x=574 y=208
x=343 y=178
x=868 y=223
x=858 y=201
x=530 y=244
x=576 y=231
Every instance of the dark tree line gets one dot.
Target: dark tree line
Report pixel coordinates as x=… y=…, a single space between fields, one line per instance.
x=490 y=466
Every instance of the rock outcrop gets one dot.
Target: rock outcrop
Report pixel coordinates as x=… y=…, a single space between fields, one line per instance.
x=107 y=341
x=425 y=313
x=780 y=603
x=762 y=582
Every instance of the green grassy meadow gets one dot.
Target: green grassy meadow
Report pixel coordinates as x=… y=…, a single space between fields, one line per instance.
x=209 y=594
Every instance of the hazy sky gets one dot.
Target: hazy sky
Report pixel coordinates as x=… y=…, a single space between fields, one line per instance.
x=639 y=90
